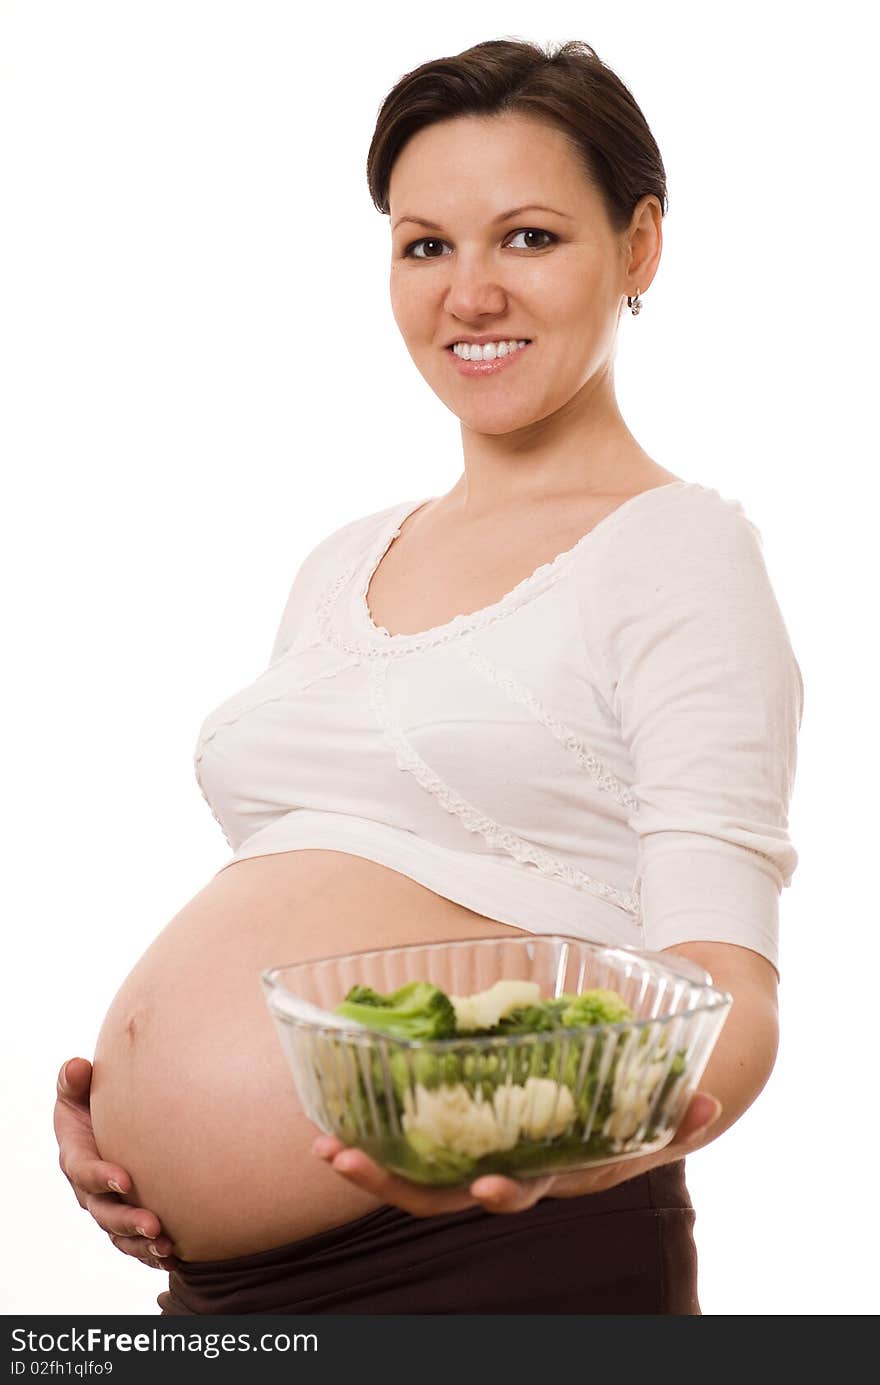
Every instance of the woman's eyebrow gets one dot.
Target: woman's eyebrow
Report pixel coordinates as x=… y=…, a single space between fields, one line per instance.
x=514 y=211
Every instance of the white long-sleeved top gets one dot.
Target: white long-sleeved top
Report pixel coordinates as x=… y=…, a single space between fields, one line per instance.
x=608 y=751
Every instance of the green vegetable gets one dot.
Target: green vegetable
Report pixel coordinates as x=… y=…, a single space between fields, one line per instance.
x=420 y=1066
x=595 y=1007
x=447 y=1115
x=417 y=1010
x=445 y=1164
x=527 y=1019
x=598 y=1006
x=365 y=995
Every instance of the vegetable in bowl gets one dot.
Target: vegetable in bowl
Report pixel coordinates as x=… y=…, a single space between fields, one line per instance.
x=529 y=1076
x=500 y=1081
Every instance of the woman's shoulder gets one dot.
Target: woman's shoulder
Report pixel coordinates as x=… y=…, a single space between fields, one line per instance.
x=346 y=543
x=364 y=525
x=678 y=518
x=674 y=550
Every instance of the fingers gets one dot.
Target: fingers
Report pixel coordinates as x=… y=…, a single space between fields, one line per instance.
x=120 y=1219
x=95 y=1181
x=358 y=1169
x=146 y=1251
x=79 y=1162
x=702 y=1112
x=499 y=1194
x=75 y=1079
x=133 y=1230
x=493 y=1192
x=78 y=1154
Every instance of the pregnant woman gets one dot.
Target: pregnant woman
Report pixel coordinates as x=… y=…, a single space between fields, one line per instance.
x=559 y=698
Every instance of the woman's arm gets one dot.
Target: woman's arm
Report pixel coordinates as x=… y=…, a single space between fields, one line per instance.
x=743 y=1058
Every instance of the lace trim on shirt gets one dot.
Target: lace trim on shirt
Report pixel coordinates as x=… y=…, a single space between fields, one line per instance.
x=519 y=693
x=385 y=646
x=378 y=643
x=473 y=819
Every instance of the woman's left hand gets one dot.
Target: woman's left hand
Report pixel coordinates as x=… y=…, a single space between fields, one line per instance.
x=496 y=1193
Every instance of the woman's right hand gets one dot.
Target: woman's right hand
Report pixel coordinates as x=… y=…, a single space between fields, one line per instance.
x=133 y=1230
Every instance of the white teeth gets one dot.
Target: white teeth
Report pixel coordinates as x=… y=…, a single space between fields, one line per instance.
x=467 y=352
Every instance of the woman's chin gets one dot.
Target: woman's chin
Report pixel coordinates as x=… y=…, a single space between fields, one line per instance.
x=495 y=418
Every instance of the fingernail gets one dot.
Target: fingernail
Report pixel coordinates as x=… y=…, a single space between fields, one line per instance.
x=141 y=1232
x=114 y=1187
x=154 y=1251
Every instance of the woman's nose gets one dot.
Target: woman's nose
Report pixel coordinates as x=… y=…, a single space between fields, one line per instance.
x=474 y=290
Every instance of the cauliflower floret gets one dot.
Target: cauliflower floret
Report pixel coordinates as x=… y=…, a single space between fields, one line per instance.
x=552 y=1109
x=485 y=1008
x=541 y=1108
x=451 y=1117
x=509 y=1103
x=635 y=1087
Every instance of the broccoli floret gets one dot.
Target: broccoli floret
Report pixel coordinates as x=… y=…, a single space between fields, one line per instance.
x=595 y=1007
x=365 y=995
x=554 y=1007
x=416 y=1010
x=409 y=1067
x=528 y=1019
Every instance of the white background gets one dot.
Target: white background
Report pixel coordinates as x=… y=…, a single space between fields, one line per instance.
x=201 y=378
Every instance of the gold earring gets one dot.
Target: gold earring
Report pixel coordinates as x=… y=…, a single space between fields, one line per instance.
x=634 y=304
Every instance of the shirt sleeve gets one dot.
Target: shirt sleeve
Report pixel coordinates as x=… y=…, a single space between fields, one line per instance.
x=298 y=614
x=709 y=698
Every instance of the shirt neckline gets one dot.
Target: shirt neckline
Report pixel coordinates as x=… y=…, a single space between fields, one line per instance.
x=378 y=635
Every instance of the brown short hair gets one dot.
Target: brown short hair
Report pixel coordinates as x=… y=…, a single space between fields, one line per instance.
x=571 y=89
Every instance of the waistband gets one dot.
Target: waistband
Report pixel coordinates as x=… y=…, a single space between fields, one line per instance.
x=299 y=1275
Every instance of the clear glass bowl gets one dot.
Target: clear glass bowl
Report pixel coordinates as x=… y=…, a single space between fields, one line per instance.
x=446 y=1111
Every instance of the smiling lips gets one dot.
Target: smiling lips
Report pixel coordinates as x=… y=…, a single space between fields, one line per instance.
x=487 y=367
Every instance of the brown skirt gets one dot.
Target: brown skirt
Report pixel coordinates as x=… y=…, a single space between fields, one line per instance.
x=627 y=1250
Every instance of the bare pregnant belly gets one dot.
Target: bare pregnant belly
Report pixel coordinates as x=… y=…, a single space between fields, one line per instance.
x=191 y=1092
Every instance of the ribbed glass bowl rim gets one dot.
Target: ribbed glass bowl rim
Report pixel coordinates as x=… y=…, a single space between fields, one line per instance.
x=717 y=1000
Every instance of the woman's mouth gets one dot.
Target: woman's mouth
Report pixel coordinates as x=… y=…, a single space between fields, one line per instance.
x=488 y=367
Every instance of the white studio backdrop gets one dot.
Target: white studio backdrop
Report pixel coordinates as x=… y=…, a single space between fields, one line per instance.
x=201 y=378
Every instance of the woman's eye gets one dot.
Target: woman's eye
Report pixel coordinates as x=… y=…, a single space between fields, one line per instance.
x=409 y=252
x=427 y=241
x=535 y=232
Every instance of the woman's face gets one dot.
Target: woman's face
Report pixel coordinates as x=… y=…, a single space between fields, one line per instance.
x=556 y=277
